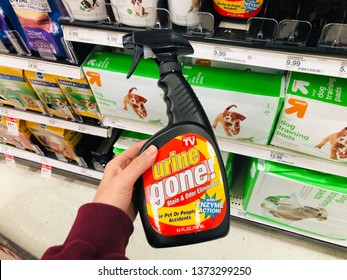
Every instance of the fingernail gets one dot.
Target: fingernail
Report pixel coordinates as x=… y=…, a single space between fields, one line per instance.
x=150 y=151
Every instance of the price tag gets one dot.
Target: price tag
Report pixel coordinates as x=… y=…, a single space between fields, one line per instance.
x=294 y=62
x=46 y=171
x=113 y=39
x=12 y=127
x=282 y=158
x=53 y=122
x=10 y=161
x=343 y=69
x=71 y=34
x=229 y=55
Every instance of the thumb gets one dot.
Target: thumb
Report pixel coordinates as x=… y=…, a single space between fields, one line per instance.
x=139 y=165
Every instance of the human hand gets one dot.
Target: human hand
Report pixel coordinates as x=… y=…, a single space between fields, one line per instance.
x=116 y=186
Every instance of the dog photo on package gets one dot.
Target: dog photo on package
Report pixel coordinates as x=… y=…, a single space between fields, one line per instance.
x=314 y=117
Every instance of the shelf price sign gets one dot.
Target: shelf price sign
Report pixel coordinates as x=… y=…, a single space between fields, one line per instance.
x=303 y=64
x=227 y=54
x=10 y=161
x=46 y=171
x=12 y=127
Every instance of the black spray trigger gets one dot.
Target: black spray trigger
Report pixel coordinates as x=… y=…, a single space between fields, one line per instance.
x=138 y=54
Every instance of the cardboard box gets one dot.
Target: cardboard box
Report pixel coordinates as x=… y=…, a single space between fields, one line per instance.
x=313 y=118
x=240 y=105
x=16 y=92
x=295 y=198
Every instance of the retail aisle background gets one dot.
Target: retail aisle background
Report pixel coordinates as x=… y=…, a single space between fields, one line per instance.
x=36 y=213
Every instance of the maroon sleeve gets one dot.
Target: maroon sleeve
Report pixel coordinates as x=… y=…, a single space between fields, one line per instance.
x=100 y=232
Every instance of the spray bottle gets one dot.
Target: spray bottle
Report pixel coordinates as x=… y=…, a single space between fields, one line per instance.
x=183 y=199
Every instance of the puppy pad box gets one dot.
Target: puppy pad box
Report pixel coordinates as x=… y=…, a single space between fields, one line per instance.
x=313 y=118
x=240 y=105
x=137 y=99
x=298 y=199
x=15 y=91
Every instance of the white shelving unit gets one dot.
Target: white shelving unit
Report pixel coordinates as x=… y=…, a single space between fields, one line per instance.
x=37 y=65
x=52 y=121
x=322 y=65
x=8 y=150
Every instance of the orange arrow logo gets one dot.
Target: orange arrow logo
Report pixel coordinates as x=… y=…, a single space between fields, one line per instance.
x=94 y=78
x=298 y=106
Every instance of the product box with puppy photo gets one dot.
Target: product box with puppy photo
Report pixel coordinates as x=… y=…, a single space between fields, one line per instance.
x=137 y=99
x=240 y=105
x=298 y=199
x=314 y=117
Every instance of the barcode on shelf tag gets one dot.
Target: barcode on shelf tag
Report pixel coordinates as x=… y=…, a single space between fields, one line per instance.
x=46 y=171
x=12 y=127
x=282 y=158
x=10 y=162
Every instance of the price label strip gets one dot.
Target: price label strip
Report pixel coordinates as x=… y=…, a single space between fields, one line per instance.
x=99 y=37
x=46 y=171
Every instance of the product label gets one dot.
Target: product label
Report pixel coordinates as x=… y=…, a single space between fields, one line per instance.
x=184 y=190
x=238 y=8
x=36 y=5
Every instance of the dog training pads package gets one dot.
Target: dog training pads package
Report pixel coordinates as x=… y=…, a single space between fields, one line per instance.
x=15 y=91
x=127 y=139
x=47 y=88
x=138 y=99
x=253 y=99
x=313 y=118
x=80 y=96
x=295 y=198
x=39 y=20
x=240 y=105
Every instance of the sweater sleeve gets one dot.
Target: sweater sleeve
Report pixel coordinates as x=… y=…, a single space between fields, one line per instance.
x=99 y=232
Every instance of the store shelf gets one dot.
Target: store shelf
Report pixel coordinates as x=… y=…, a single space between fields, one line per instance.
x=220 y=51
x=8 y=150
x=38 y=65
x=75 y=126
x=268 y=152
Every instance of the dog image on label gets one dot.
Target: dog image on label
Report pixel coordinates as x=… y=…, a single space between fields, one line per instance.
x=136 y=102
x=292 y=211
x=230 y=120
x=338 y=144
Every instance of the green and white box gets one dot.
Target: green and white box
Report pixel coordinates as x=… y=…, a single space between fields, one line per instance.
x=314 y=117
x=240 y=105
x=298 y=199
